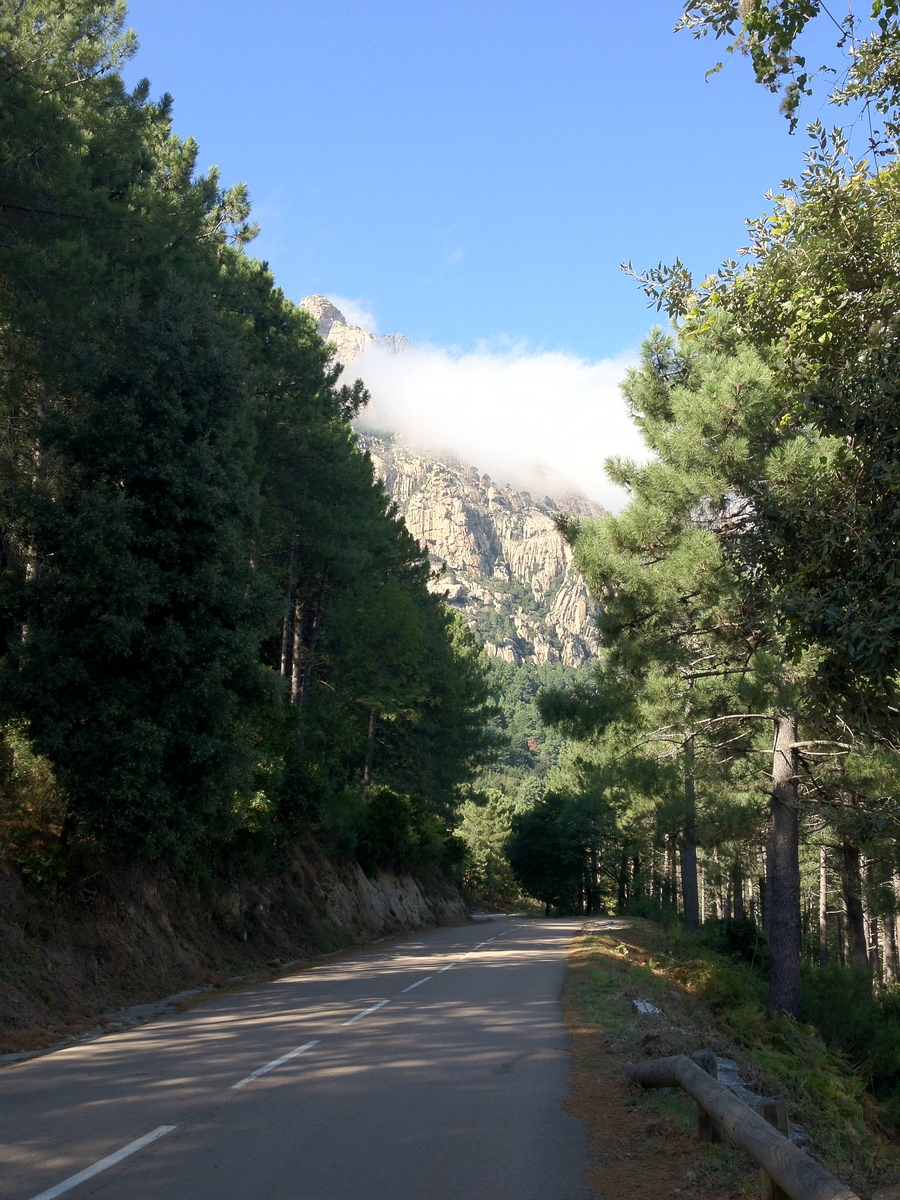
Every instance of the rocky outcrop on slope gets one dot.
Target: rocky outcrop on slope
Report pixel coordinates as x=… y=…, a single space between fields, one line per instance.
x=505 y=567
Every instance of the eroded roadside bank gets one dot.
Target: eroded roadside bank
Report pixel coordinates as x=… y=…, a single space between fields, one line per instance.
x=77 y=962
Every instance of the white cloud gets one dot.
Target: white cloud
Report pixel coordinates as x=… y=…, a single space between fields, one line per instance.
x=539 y=420
x=356 y=312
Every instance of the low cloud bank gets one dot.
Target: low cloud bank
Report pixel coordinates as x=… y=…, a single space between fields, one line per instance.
x=541 y=421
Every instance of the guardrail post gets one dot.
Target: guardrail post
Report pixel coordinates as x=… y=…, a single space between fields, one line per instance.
x=799 y=1175
x=708 y=1128
x=775 y=1112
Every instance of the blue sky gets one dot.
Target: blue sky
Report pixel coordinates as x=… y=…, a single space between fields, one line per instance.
x=472 y=173
x=472 y=170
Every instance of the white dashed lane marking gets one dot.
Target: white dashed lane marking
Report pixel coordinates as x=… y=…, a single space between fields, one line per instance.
x=365 y=1012
x=104 y=1163
x=275 y=1063
x=416 y=984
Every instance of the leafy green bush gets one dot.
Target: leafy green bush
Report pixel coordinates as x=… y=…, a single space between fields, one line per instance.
x=383 y=828
x=651 y=909
x=739 y=939
x=341 y=821
x=825 y=1093
x=838 y=1001
x=387 y=837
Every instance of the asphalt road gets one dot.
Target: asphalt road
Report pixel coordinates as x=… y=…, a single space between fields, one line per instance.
x=430 y=1069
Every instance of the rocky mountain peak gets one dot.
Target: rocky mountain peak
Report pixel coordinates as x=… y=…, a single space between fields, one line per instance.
x=350 y=341
x=324 y=312
x=502 y=562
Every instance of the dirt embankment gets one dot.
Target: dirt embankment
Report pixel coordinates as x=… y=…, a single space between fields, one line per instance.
x=132 y=934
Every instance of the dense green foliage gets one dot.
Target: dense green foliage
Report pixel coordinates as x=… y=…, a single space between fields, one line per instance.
x=749 y=588
x=214 y=623
x=864 y=70
x=718 y=998
x=527 y=750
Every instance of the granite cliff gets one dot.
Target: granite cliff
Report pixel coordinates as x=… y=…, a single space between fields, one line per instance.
x=500 y=559
x=503 y=564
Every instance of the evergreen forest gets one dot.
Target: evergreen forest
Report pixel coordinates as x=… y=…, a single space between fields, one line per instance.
x=218 y=636
x=730 y=763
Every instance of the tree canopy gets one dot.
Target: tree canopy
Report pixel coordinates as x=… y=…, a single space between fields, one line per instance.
x=214 y=622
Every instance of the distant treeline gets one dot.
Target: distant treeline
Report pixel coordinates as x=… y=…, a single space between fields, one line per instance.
x=216 y=632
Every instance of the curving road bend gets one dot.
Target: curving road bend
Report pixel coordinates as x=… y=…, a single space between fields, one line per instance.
x=432 y=1069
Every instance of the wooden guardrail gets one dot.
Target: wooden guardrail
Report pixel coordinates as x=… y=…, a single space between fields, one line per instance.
x=786 y=1170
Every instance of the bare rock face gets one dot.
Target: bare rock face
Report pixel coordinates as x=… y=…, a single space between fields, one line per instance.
x=350 y=341
x=506 y=569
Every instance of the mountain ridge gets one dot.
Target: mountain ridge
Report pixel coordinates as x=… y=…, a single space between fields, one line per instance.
x=349 y=341
x=497 y=552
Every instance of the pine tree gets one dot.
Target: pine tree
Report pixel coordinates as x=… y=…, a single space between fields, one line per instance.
x=130 y=503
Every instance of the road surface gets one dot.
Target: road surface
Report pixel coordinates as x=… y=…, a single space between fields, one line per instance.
x=429 y=1069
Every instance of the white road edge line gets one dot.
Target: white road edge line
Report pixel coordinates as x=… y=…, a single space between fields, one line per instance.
x=110 y=1161
x=275 y=1063
x=416 y=984
x=447 y=968
x=366 y=1011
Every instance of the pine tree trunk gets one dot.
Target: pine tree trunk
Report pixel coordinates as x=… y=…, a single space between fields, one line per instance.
x=855 y=924
x=764 y=897
x=823 y=907
x=703 y=895
x=689 y=892
x=313 y=639
x=673 y=877
x=664 y=880
x=285 y=667
x=623 y=881
x=875 y=955
x=370 y=749
x=870 y=919
x=286 y=624
x=891 y=949
x=783 y=884
x=310 y=659
x=297 y=652
x=717 y=888
x=891 y=961
x=737 y=884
